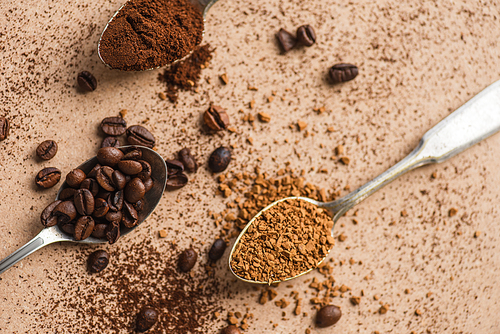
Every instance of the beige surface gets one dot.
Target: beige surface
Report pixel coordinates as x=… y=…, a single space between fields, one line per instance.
x=417 y=64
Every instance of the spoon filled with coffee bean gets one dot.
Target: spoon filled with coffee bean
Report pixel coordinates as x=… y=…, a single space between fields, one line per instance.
x=101 y=200
x=148 y=34
x=293 y=236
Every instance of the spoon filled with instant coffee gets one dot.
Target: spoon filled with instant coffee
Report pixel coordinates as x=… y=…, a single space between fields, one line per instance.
x=101 y=200
x=148 y=34
x=292 y=236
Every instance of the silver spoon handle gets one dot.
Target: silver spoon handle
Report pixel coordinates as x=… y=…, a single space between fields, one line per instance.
x=476 y=120
x=45 y=237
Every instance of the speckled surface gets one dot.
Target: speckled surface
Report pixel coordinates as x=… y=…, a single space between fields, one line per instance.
x=417 y=64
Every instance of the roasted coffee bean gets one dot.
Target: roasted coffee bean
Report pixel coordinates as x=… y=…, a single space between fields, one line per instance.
x=68 y=228
x=306 y=35
x=113 y=232
x=115 y=200
x=98 y=261
x=113 y=126
x=119 y=180
x=328 y=315
x=148 y=184
x=188 y=160
x=110 y=142
x=83 y=228
x=219 y=159
x=286 y=40
x=139 y=205
x=105 y=178
x=146 y=318
x=84 y=202
x=174 y=167
x=99 y=231
x=93 y=172
x=48 y=177
x=104 y=194
x=187 y=260
x=109 y=156
x=65 y=212
x=86 y=81
x=67 y=193
x=216 y=118
x=91 y=185
x=132 y=153
x=130 y=167
x=176 y=181
x=47 y=217
x=101 y=208
x=217 y=250
x=139 y=135
x=129 y=218
x=134 y=190
x=114 y=216
x=342 y=72
x=4 y=128
x=75 y=178
x=231 y=329
x=46 y=150
x=146 y=170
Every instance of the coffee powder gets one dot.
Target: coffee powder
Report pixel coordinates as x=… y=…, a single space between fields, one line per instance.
x=151 y=33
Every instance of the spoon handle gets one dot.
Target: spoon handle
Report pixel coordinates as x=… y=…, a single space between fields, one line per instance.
x=474 y=121
x=45 y=237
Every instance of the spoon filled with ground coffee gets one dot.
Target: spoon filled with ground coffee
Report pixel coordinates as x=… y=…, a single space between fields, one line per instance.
x=148 y=34
x=292 y=236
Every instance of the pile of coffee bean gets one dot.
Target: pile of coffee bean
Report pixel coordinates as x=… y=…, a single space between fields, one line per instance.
x=106 y=198
x=113 y=127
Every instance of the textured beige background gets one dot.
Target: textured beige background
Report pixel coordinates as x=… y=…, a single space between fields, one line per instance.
x=417 y=63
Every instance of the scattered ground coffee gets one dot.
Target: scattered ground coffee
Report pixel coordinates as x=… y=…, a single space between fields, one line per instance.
x=151 y=33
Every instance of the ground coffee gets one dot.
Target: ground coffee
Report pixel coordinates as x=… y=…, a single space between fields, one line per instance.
x=151 y=33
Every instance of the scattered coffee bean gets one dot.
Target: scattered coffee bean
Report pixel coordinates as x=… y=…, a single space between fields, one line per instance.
x=109 y=156
x=138 y=135
x=177 y=181
x=174 y=167
x=187 y=260
x=65 y=212
x=48 y=177
x=219 y=159
x=231 y=329
x=4 y=128
x=111 y=142
x=101 y=208
x=188 y=160
x=217 y=250
x=113 y=126
x=113 y=232
x=47 y=217
x=84 y=202
x=75 y=178
x=130 y=167
x=342 y=72
x=286 y=40
x=216 y=118
x=98 y=261
x=146 y=318
x=306 y=35
x=46 y=150
x=86 y=81
x=134 y=190
x=328 y=315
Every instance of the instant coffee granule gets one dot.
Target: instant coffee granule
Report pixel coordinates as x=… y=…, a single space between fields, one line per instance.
x=147 y=34
x=291 y=237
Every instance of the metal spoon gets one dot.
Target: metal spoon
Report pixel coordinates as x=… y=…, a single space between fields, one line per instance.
x=54 y=234
x=203 y=5
x=476 y=120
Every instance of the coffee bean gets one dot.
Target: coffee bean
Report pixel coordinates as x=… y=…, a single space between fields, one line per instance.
x=48 y=177
x=111 y=142
x=146 y=318
x=68 y=228
x=219 y=159
x=113 y=232
x=130 y=167
x=75 y=178
x=119 y=180
x=4 y=128
x=104 y=194
x=132 y=153
x=138 y=135
x=47 y=217
x=93 y=172
x=342 y=72
x=129 y=218
x=67 y=193
x=328 y=315
x=86 y=81
x=109 y=156
x=101 y=208
x=99 y=231
x=91 y=185
x=84 y=202
x=148 y=184
x=216 y=118
x=306 y=35
x=114 y=216
x=134 y=190
x=83 y=227
x=176 y=181
x=231 y=329
x=115 y=200
x=174 y=167
x=286 y=40
x=139 y=205
x=105 y=178
x=188 y=160
x=187 y=260
x=217 y=250
x=98 y=261
x=146 y=170
x=65 y=212
x=46 y=150
x=113 y=126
